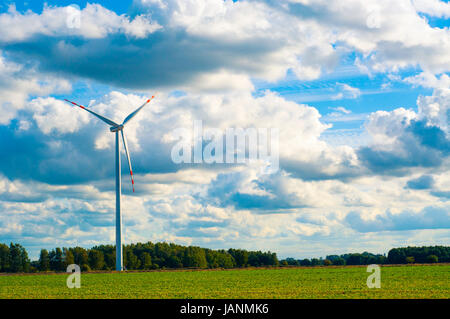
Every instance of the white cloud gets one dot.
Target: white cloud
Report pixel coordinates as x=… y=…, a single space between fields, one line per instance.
x=435 y=109
x=434 y=8
x=94 y=22
x=53 y=115
x=17 y=83
x=400 y=39
x=385 y=127
x=346 y=92
x=428 y=80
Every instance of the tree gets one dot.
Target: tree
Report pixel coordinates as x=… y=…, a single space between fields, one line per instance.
x=305 y=262
x=80 y=256
x=355 y=259
x=96 y=259
x=240 y=256
x=327 y=262
x=315 y=262
x=225 y=260
x=18 y=258
x=195 y=257
x=339 y=261
x=56 y=260
x=432 y=259
x=69 y=259
x=174 y=262
x=420 y=254
x=4 y=258
x=396 y=256
x=44 y=260
x=381 y=260
x=131 y=262
x=85 y=267
x=146 y=260
x=410 y=260
x=109 y=254
x=34 y=266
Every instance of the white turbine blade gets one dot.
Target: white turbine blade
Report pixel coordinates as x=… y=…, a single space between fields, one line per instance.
x=125 y=145
x=104 y=119
x=129 y=117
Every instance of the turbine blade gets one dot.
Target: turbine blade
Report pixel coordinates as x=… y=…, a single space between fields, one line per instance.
x=129 y=117
x=128 y=158
x=104 y=119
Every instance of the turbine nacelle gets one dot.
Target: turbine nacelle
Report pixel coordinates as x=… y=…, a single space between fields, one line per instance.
x=116 y=128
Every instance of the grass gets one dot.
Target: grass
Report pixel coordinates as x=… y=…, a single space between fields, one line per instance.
x=418 y=281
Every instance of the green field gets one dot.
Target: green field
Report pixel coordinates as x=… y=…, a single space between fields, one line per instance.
x=418 y=281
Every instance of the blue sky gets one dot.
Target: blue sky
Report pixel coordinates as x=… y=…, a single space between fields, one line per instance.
x=359 y=91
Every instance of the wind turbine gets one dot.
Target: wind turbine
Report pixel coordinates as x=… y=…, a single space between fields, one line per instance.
x=116 y=128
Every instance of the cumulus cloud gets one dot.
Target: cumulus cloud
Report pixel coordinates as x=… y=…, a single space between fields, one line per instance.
x=197 y=39
x=434 y=8
x=403 y=138
x=390 y=35
x=205 y=44
x=346 y=92
x=428 y=218
x=18 y=83
x=429 y=80
x=93 y=22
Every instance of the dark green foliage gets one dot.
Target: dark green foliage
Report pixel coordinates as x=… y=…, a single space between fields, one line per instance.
x=44 y=260
x=409 y=260
x=358 y=259
x=57 y=260
x=432 y=259
x=420 y=254
x=96 y=259
x=68 y=256
x=219 y=259
x=146 y=261
x=327 y=262
x=315 y=262
x=194 y=257
x=290 y=262
x=4 y=258
x=293 y=262
x=80 y=255
x=109 y=256
x=131 y=261
x=18 y=259
x=85 y=267
x=305 y=262
x=34 y=266
x=240 y=256
x=339 y=261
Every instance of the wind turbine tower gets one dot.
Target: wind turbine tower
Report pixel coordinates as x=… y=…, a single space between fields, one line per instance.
x=118 y=129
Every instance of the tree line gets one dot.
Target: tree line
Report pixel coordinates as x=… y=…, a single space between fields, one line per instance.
x=140 y=256
x=404 y=255
x=147 y=256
